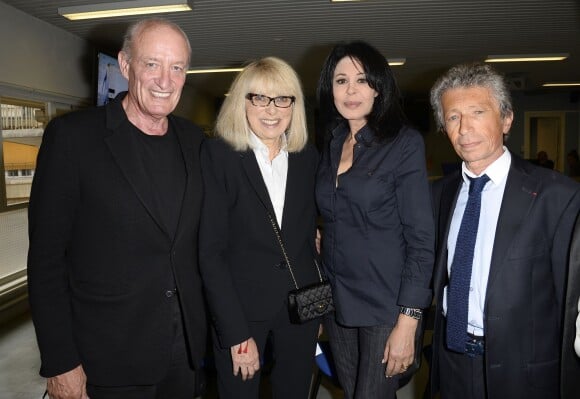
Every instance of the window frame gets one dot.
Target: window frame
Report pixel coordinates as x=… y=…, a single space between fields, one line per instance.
x=53 y=105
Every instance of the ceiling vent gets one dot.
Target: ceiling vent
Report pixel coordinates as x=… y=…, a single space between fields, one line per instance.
x=517 y=82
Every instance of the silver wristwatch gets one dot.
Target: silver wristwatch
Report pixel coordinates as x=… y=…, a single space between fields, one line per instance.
x=412 y=312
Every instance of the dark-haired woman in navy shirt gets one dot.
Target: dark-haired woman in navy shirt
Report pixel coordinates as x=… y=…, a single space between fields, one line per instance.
x=374 y=198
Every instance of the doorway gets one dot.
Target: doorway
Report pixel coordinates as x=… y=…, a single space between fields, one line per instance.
x=544 y=131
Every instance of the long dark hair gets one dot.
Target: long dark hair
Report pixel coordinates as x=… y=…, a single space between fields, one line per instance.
x=386 y=117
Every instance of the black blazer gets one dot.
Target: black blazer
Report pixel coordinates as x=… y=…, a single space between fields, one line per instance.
x=527 y=279
x=100 y=261
x=570 y=360
x=241 y=261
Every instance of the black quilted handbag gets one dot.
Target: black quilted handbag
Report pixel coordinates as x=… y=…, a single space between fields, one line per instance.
x=309 y=302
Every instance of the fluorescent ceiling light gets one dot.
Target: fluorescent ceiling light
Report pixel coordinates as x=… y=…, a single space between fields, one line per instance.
x=215 y=70
x=396 y=61
x=527 y=57
x=124 y=8
x=561 y=84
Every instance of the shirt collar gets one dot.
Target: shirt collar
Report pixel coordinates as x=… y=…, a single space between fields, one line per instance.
x=364 y=135
x=260 y=148
x=497 y=171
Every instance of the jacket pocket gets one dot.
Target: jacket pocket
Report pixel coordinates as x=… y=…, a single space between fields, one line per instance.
x=544 y=374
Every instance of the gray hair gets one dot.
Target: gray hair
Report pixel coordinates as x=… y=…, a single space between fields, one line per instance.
x=470 y=75
x=137 y=28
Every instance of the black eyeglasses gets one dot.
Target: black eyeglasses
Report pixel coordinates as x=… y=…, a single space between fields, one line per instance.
x=259 y=100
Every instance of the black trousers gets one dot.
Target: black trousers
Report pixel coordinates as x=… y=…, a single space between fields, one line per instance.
x=461 y=376
x=293 y=349
x=178 y=383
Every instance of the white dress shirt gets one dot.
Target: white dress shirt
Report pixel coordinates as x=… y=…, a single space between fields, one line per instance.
x=491 y=198
x=577 y=340
x=274 y=173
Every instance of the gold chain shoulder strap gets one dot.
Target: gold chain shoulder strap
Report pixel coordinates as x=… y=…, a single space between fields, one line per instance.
x=279 y=237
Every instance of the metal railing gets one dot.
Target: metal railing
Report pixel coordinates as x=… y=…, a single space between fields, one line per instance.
x=20 y=117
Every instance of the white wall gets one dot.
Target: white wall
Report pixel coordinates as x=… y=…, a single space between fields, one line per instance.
x=39 y=56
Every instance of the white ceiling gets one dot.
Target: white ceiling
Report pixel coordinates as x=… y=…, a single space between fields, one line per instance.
x=431 y=34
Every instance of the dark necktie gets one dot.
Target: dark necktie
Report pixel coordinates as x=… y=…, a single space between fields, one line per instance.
x=460 y=279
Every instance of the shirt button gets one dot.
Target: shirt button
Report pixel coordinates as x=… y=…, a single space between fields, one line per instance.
x=169 y=293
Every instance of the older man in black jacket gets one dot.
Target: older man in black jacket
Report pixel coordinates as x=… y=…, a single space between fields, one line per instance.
x=115 y=292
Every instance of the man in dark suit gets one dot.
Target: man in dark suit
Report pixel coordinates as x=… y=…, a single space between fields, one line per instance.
x=114 y=287
x=503 y=236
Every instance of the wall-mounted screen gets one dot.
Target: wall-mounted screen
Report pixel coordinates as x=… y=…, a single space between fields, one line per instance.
x=110 y=80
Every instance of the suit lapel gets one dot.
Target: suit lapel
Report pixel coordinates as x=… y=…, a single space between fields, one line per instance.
x=293 y=182
x=185 y=145
x=252 y=170
x=122 y=146
x=519 y=195
x=449 y=194
x=186 y=148
x=448 y=200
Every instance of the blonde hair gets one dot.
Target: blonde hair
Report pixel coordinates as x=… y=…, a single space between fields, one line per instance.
x=268 y=74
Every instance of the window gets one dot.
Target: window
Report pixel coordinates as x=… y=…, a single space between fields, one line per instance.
x=23 y=116
x=22 y=126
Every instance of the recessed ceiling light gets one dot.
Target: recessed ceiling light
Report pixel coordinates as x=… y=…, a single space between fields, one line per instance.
x=561 y=84
x=124 y=8
x=396 y=61
x=527 y=57
x=214 y=70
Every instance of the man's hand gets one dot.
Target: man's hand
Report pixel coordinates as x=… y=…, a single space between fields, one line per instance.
x=69 y=385
x=245 y=358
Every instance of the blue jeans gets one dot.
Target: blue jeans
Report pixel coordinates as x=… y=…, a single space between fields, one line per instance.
x=357 y=353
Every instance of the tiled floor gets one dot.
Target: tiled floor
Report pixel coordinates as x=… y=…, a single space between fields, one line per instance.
x=19 y=364
x=19 y=361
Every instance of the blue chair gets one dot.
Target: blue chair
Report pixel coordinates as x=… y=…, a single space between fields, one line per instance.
x=324 y=367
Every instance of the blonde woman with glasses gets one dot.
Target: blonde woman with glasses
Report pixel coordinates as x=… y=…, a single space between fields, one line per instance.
x=259 y=171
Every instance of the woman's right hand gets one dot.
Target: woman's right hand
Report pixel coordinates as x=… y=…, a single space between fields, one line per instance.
x=245 y=358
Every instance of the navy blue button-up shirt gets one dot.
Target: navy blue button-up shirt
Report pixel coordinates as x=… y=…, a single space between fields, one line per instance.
x=378 y=232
